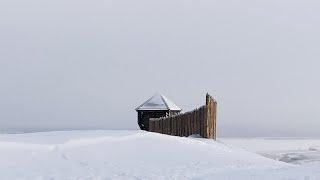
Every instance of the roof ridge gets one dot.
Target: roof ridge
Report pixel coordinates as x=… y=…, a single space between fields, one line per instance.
x=164 y=100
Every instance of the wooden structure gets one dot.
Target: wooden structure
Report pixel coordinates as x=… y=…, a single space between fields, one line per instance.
x=200 y=121
x=155 y=107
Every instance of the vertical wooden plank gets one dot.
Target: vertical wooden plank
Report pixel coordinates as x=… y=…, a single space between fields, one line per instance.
x=183 y=125
x=215 y=120
x=211 y=117
x=170 y=125
x=191 y=127
x=192 y=123
x=205 y=121
x=166 y=126
x=161 y=125
x=186 y=133
x=173 y=119
x=208 y=116
x=155 y=126
x=179 y=125
x=196 y=121
x=201 y=122
x=151 y=125
x=187 y=126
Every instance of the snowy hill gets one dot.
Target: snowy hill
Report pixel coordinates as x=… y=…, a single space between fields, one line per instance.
x=134 y=155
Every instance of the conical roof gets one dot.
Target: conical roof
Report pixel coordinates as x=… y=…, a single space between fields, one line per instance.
x=158 y=102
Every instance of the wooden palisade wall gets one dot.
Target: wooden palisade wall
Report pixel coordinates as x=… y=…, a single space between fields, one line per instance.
x=199 y=121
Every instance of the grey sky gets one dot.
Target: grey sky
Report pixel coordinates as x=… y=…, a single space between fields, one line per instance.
x=88 y=64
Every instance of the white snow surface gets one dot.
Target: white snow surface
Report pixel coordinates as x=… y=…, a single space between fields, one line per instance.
x=134 y=155
x=291 y=150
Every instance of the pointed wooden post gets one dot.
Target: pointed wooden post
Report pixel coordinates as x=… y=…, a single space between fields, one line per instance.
x=211 y=117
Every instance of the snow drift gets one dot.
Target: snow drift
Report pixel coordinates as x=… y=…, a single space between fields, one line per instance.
x=133 y=155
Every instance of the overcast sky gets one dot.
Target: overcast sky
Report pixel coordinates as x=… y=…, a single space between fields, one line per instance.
x=88 y=63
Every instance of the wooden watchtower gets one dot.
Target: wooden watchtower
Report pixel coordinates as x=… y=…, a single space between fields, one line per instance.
x=155 y=107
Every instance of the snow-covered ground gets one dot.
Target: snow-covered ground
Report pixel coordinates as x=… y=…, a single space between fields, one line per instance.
x=136 y=155
x=292 y=150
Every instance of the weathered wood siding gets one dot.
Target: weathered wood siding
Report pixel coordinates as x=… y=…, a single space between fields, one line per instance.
x=199 y=121
x=144 y=116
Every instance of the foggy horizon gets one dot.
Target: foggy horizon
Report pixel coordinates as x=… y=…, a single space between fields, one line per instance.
x=88 y=64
